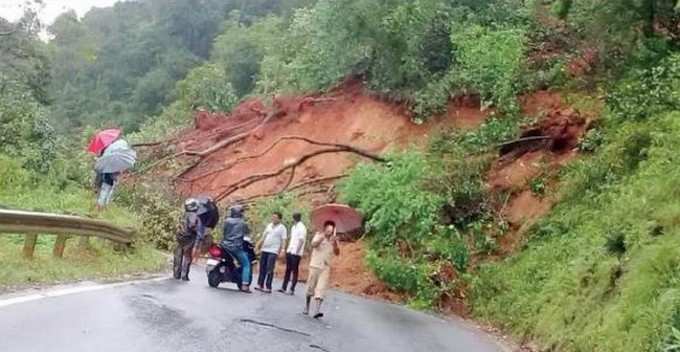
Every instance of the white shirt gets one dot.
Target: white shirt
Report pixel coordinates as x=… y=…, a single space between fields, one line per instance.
x=274 y=237
x=298 y=236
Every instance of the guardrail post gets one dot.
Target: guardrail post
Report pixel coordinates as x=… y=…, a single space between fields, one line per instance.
x=59 y=246
x=29 y=245
x=84 y=242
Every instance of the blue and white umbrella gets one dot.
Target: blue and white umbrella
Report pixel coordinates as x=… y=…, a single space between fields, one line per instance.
x=116 y=158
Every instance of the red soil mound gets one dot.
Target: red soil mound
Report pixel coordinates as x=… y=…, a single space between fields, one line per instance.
x=543 y=148
x=346 y=116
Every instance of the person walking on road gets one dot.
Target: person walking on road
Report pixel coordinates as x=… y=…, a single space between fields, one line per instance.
x=324 y=246
x=296 y=247
x=235 y=230
x=272 y=243
x=190 y=231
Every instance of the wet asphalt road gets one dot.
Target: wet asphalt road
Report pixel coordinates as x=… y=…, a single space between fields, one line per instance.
x=175 y=316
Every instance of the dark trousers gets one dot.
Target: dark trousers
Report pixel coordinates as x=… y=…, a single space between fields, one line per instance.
x=267 y=263
x=292 y=266
x=182 y=260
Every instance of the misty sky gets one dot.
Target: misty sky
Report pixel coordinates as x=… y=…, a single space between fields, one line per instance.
x=12 y=9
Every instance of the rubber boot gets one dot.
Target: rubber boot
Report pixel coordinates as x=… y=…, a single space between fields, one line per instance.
x=317 y=309
x=308 y=301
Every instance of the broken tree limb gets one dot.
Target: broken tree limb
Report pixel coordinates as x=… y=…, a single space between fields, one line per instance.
x=223 y=131
x=231 y=140
x=247 y=181
x=349 y=148
x=295 y=187
x=523 y=140
x=222 y=144
x=148 y=144
x=152 y=144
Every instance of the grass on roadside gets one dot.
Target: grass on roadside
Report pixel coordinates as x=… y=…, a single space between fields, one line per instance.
x=99 y=261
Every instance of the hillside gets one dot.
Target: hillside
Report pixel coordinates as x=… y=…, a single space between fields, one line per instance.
x=499 y=204
x=514 y=160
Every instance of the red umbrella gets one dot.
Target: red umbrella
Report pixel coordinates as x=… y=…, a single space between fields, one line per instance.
x=102 y=140
x=346 y=218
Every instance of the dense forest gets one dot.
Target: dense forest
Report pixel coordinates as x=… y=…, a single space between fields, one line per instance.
x=599 y=272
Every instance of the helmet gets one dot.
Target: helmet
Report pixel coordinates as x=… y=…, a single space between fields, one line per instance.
x=191 y=205
x=236 y=211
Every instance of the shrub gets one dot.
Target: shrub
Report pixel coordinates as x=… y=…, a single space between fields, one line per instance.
x=159 y=213
x=592 y=140
x=26 y=132
x=207 y=87
x=392 y=198
x=647 y=92
x=489 y=62
x=538 y=186
x=448 y=244
x=397 y=273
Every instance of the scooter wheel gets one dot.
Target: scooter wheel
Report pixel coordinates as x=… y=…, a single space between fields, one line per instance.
x=214 y=278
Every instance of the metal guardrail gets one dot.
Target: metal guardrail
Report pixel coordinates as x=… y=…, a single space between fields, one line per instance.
x=34 y=223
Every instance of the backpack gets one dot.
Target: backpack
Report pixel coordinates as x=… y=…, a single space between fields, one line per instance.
x=211 y=216
x=185 y=234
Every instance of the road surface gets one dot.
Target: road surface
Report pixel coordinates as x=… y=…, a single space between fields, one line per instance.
x=168 y=315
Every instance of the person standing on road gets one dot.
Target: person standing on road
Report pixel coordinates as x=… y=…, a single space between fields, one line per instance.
x=272 y=243
x=324 y=246
x=235 y=230
x=190 y=229
x=296 y=247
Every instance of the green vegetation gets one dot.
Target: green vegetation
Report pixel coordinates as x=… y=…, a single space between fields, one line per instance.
x=98 y=261
x=600 y=273
x=120 y=65
x=429 y=210
x=44 y=171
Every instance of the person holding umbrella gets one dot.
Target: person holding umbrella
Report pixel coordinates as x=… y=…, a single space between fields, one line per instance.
x=330 y=219
x=324 y=246
x=114 y=156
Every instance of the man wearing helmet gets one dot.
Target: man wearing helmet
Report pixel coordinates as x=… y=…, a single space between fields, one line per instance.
x=235 y=230
x=190 y=231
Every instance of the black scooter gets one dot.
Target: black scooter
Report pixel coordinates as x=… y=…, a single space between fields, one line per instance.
x=222 y=267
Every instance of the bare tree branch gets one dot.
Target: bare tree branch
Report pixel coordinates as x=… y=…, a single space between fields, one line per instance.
x=247 y=181
x=274 y=144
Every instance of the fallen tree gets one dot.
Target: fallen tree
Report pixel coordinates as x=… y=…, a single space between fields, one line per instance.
x=204 y=153
x=344 y=147
x=247 y=181
x=295 y=187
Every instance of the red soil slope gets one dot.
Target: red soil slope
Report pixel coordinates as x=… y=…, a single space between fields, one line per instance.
x=347 y=116
x=519 y=164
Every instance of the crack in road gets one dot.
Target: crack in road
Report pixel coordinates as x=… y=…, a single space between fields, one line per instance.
x=319 y=348
x=269 y=325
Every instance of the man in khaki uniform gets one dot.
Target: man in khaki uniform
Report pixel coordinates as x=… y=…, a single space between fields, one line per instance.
x=324 y=246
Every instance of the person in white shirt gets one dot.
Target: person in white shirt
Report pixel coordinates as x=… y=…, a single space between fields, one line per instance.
x=296 y=247
x=273 y=241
